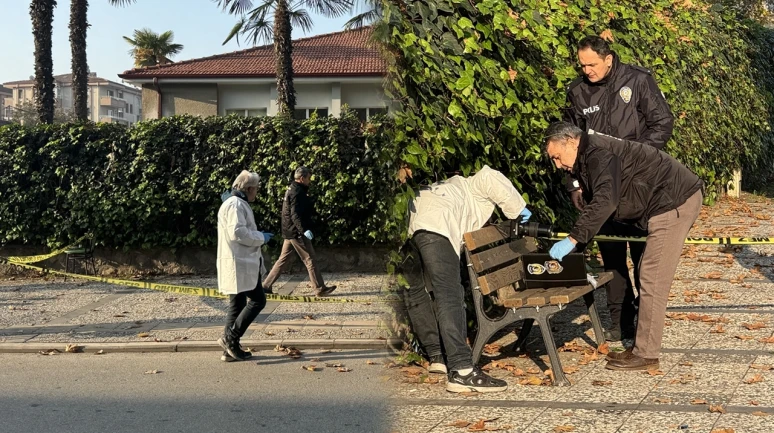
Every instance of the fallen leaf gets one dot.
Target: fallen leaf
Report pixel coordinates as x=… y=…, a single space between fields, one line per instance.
x=686 y=364
x=716 y=275
x=143 y=334
x=153 y=372
x=654 y=372
x=718 y=330
x=99 y=352
x=602 y=382
x=519 y=372
x=532 y=380
x=755 y=379
x=269 y=333
x=310 y=367
x=563 y=429
x=753 y=326
x=119 y=315
x=662 y=400
x=570 y=369
x=759 y=413
x=469 y=394
x=683 y=379
x=334 y=365
x=369 y=362
x=412 y=371
x=459 y=424
x=492 y=349
x=699 y=401
x=73 y=348
x=717 y=409
x=723 y=430
x=343 y=370
x=754 y=402
x=533 y=370
x=765 y=367
x=744 y=337
x=49 y=352
x=767 y=340
x=309 y=317
x=604 y=349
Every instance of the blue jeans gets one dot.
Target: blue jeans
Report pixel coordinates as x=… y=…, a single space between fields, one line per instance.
x=432 y=265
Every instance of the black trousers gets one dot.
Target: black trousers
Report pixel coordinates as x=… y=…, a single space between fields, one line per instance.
x=243 y=308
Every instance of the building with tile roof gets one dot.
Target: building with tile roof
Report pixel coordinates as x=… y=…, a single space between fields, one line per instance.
x=330 y=70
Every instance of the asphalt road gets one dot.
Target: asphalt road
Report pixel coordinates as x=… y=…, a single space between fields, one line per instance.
x=191 y=392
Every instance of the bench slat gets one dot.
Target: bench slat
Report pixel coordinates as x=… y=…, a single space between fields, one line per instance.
x=483 y=237
x=501 y=278
x=502 y=254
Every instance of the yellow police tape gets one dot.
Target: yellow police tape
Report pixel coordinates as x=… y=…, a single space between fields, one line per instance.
x=190 y=290
x=41 y=257
x=703 y=240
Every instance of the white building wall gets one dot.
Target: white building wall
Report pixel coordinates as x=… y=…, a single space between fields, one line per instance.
x=363 y=95
x=243 y=97
x=313 y=95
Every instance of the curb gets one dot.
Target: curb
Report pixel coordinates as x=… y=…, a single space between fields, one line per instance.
x=204 y=346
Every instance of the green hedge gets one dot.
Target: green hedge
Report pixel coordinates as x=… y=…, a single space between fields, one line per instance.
x=759 y=168
x=479 y=81
x=158 y=184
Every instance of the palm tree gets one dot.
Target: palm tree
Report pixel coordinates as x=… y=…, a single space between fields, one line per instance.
x=42 y=14
x=150 y=48
x=79 y=25
x=273 y=20
x=372 y=12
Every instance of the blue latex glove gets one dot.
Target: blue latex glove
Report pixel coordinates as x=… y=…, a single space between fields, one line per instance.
x=561 y=249
x=267 y=236
x=309 y=235
x=525 y=215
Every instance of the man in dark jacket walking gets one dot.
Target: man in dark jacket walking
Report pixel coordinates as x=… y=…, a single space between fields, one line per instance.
x=297 y=228
x=637 y=185
x=623 y=101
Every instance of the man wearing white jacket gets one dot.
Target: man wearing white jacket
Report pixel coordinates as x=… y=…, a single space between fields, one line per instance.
x=240 y=263
x=439 y=216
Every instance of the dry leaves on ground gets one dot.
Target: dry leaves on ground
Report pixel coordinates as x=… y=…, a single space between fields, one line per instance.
x=143 y=335
x=768 y=340
x=309 y=317
x=492 y=349
x=744 y=337
x=753 y=402
x=719 y=329
x=563 y=429
x=601 y=382
x=723 y=430
x=755 y=379
x=683 y=379
x=717 y=408
x=604 y=349
x=715 y=275
x=686 y=364
x=310 y=367
x=290 y=351
x=754 y=326
x=764 y=367
x=99 y=352
x=153 y=372
x=73 y=348
x=49 y=352
x=570 y=369
x=343 y=370
x=653 y=372
x=369 y=362
x=334 y=365
x=699 y=401
x=759 y=413
x=662 y=400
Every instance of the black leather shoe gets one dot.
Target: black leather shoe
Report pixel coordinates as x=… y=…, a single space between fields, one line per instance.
x=325 y=291
x=633 y=363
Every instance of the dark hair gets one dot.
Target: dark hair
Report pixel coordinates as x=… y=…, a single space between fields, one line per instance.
x=596 y=44
x=560 y=131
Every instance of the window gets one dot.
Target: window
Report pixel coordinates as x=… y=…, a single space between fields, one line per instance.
x=120 y=94
x=366 y=113
x=247 y=112
x=20 y=94
x=110 y=93
x=131 y=109
x=305 y=113
x=120 y=113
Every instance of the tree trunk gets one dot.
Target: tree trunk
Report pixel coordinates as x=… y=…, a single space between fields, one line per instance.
x=42 y=14
x=78 y=28
x=283 y=50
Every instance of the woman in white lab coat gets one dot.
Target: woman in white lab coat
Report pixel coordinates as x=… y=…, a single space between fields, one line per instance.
x=240 y=263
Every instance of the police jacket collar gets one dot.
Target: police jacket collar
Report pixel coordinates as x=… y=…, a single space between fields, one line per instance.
x=582 y=146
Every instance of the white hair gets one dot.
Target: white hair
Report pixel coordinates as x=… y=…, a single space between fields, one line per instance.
x=246 y=180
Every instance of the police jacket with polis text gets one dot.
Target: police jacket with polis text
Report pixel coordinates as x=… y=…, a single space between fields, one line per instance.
x=628 y=182
x=627 y=104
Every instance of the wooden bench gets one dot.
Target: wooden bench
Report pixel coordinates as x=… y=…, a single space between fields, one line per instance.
x=496 y=271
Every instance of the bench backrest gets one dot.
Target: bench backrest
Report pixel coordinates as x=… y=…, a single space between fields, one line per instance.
x=496 y=259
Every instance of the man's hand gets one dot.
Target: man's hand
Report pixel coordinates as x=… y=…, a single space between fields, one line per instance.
x=577 y=199
x=309 y=234
x=562 y=248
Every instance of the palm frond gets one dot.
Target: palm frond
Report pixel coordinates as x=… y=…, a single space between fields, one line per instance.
x=121 y=3
x=300 y=18
x=329 y=8
x=364 y=19
x=234 y=7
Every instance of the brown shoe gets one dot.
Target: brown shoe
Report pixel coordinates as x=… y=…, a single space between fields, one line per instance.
x=615 y=356
x=633 y=363
x=325 y=291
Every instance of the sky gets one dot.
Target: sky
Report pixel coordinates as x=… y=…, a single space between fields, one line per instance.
x=197 y=24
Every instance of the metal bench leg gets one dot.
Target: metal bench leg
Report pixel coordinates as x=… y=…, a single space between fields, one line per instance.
x=521 y=343
x=548 y=339
x=486 y=328
x=599 y=335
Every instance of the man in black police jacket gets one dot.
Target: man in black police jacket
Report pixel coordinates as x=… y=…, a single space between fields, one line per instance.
x=623 y=101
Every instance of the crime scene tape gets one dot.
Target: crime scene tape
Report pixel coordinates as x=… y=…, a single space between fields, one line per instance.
x=41 y=257
x=698 y=241
x=207 y=292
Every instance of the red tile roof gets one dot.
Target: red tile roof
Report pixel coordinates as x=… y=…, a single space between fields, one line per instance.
x=346 y=53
